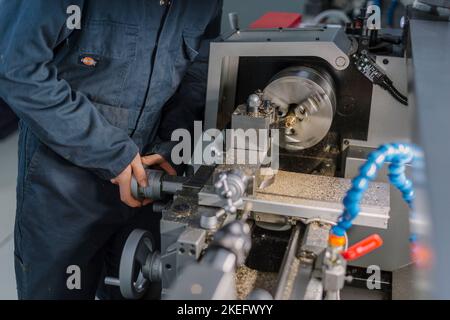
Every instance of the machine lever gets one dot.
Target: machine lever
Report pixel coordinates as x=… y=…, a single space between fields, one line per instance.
x=233 y=19
x=363 y=247
x=110 y=281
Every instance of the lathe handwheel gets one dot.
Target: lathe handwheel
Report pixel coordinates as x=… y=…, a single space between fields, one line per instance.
x=138 y=247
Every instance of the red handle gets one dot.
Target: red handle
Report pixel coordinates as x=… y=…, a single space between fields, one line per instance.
x=363 y=247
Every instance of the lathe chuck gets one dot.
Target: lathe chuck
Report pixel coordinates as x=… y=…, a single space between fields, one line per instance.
x=306 y=102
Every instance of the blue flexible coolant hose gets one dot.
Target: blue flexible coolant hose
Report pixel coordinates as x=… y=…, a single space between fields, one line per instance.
x=398 y=155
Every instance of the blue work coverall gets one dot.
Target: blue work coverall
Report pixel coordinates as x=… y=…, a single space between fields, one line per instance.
x=89 y=100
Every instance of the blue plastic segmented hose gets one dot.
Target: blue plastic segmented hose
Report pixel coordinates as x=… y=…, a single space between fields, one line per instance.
x=398 y=155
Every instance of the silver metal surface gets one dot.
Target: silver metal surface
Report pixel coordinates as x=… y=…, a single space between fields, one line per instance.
x=334 y=280
x=314 y=242
x=201 y=282
x=289 y=269
x=429 y=75
x=307 y=101
x=209 y=220
x=181 y=214
x=253 y=103
x=314 y=290
x=389 y=119
x=221 y=259
x=272 y=221
x=191 y=243
x=307 y=196
x=315 y=239
x=255 y=121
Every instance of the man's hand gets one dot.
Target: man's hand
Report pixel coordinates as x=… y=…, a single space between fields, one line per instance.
x=123 y=180
x=136 y=169
x=156 y=160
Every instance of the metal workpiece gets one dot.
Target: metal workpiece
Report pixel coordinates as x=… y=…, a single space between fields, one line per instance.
x=159 y=183
x=306 y=102
x=254 y=102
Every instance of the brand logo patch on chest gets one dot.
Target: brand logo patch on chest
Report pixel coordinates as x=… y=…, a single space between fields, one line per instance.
x=89 y=61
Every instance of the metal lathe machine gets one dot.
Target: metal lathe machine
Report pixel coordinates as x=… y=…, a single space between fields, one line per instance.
x=255 y=231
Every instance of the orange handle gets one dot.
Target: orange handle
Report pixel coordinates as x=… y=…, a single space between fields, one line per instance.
x=363 y=247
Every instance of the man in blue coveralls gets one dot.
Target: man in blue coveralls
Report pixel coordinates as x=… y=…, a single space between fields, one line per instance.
x=91 y=101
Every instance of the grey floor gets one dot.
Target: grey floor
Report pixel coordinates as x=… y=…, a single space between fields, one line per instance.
x=8 y=172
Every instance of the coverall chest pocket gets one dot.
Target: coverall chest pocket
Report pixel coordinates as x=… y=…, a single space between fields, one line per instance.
x=190 y=45
x=100 y=57
x=183 y=54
